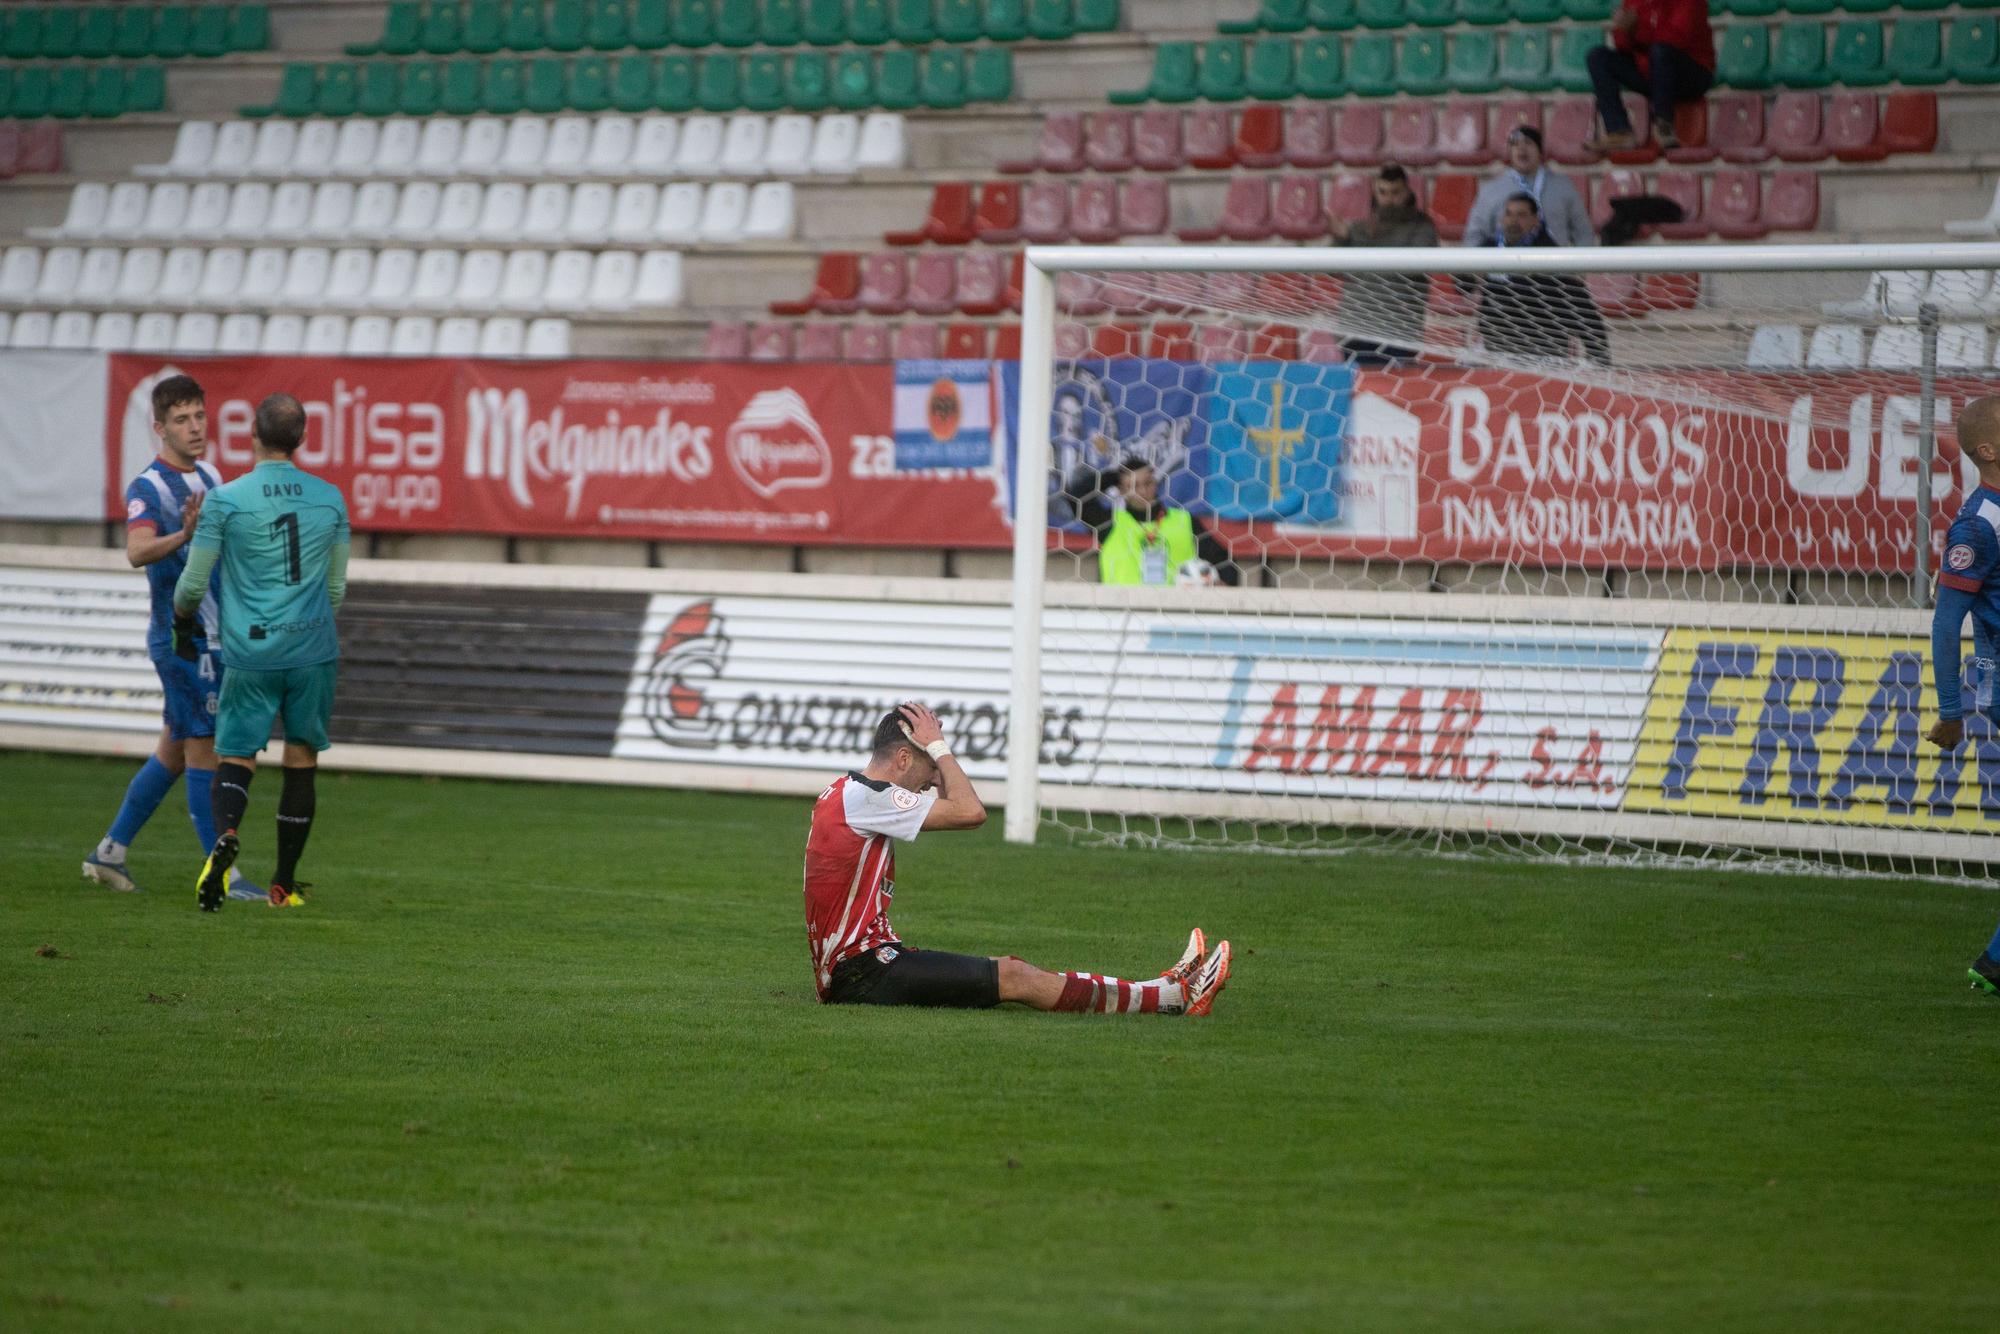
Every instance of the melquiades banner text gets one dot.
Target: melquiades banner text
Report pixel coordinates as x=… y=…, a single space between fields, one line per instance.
x=797 y=454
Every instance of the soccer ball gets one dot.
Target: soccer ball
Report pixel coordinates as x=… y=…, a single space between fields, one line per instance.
x=1196 y=571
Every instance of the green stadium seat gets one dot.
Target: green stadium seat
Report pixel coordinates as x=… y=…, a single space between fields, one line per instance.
x=1916 y=51
x=1743 y=56
x=524 y=27
x=610 y=27
x=402 y=28
x=1474 y=63
x=69 y=91
x=718 y=82
x=134 y=39
x=1420 y=65
x=106 y=97
x=380 y=84
x=566 y=27
x=1973 y=52
x=1371 y=64
x=651 y=27
x=1220 y=76
x=210 y=35
x=1857 y=54
x=24 y=34
x=1569 y=57
x=1052 y=20
x=146 y=87
x=588 y=87
x=763 y=86
x=339 y=91
x=1005 y=20
x=959 y=21
x=737 y=22
x=1536 y=11
x=1331 y=15
x=420 y=94
x=1926 y=4
x=31 y=92
x=1272 y=16
x=545 y=86
x=1268 y=75
x=298 y=92
x=1588 y=11
x=506 y=87
x=6 y=89
x=461 y=91
x=250 y=28
x=897 y=83
x=1746 y=8
x=989 y=75
x=59 y=34
x=1799 y=59
x=1320 y=70
x=868 y=22
x=442 y=33
x=677 y=82
x=1433 y=13
x=781 y=23
x=1097 y=15
x=634 y=83
x=1173 y=77
x=1379 y=13
x=913 y=22
x=943 y=79
x=853 y=81
x=1524 y=60
x=809 y=81
x=97 y=32
x=694 y=23
x=485 y=27
x=1484 y=12
x=173 y=31
x=1868 y=6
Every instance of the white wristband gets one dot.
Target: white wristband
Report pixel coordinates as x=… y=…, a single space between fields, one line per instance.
x=938 y=749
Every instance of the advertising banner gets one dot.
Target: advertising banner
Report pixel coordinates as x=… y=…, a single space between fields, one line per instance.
x=50 y=467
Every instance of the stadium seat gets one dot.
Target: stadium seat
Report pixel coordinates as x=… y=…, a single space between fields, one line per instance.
x=1410 y=135
x=1420 y=65
x=881 y=143
x=1569 y=129
x=1260 y=136
x=1979 y=228
x=1174 y=78
x=1450 y=203
x=679 y=218
x=111 y=332
x=1045 y=213
x=1321 y=71
x=1898 y=347
x=1209 y=139
x=1776 y=347
x=570 y=275
x=349 y=278
x=1794 y=132
x=818 y=341
x=920 y=340
x=458 y=211
x=1093 y=212
x=659 y=282
x=416 y=212
x=1524 y=61
x=138 y=275
x=727 y=340
x=1298 y=213
x=1220 y=73
x=633 y=209
x=1156 y=140
x=194 y=145
x=655 y=140
x=354 y=148
x=500 y=336
x=1909 y=123
x=368 y=336
x=1358 y=134
x=396 y=147
x=1107 y=141
x=723 y=212
x=614 y=276
x=312 y=151
x=20 y=271
x=1309 y=137
x=1887 y=292
x=610 y=148
x=433 y=282
x=1973 y=50
x=1567 y=57
x=306 y=276
x=933 y=286
x=523 y=279
x=153 y=332
x=770 y=342
x=982 y=283
x=124 y=210
x=61 y=267
x=32 y=329
x=700 y=147
x=1857 y=58
x=1734 y=201
x=1916 y=51
x=1684 y=188
x=1461 y=134
x=1270 y=75
x=1743 y=56
x=835 y=291
x=1960 y=292
x=97 y=280
x=1798 y=60
x=1143 y=208
x=263 y=279
x=1791 y=202
x=1371 y=65
x=568 y=145
x=1736 y=127
x=85 y=215
x=1852 y=130
x=249 y=205
x=1246 y=213
x=1474 y=63
x=480 y=273
x=272 y=152
x=291 y=210
x=500 y=211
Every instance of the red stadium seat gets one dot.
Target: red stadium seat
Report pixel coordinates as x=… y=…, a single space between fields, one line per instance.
x=982 y=282
x=1321 y=347
x=1127 y=293
x=1260 y=136
x=1007 y=343
x=1350 y=197
x=1358 y=134
x=1734 y=204
x=1791 y=202
x=1573 y=123
x=1170 y=340
x=728 y=340
x=1045 y=212
x=934 y=283
x=1072 y=341
x=10 y=148
x=1616 y=294
x=1208 y=138
x=1645 y=150
x=1451 y=202
x=1691 y=128
x=41 y=148
x=1299 y=213
x=1142 y=207
x=1309 y=136
x=997 y=220
x=1080 y=294
x=1618 y=183
x=836 y=289
x=1461 y=138
x=1015 y=269
x=1794 y=132
x=1216 y=341
x=950 y=220
x=965 y=342
x=919 y=341
x=1684 y=188
x=1289 y=293
x=1107 y=141
x=885 y=284
x=819 y=342
x=1853 y=128
x=1156 y=139
x=1736 y=127
x=1120 y=339
x=1275 y=342
x=1509 y=115
x=1410 y=137
x=771 y=342
x=1246 y=213
x=1093 y=210
x=1670 y=291
x=1059 y=149
x=866 y=342
x=1909 y=123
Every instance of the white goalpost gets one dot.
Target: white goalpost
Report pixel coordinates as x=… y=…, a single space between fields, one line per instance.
x=1619 y=555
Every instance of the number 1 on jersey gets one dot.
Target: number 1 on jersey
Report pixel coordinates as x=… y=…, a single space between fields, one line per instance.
x=287 y=525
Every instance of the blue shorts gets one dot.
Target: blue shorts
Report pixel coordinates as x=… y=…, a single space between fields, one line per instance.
x=193 y=691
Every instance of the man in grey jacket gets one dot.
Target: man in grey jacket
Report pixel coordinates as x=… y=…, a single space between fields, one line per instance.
x=1382 y=314
x=1565 y=217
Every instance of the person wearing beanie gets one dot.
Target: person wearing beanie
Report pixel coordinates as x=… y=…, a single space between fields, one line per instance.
x=1564 y=215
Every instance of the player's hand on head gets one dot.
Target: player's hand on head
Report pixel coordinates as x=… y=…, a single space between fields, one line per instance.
x=1946 y=733
x=923 y=725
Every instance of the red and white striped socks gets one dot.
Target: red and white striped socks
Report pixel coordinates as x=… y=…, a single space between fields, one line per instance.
x=1093 y=993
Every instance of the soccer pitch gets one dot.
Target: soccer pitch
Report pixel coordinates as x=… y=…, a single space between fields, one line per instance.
x=542 y=1057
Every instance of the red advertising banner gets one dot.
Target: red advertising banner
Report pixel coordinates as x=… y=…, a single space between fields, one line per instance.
x=673 y=451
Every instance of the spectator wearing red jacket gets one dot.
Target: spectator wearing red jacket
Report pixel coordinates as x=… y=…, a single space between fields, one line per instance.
x=1662 y=48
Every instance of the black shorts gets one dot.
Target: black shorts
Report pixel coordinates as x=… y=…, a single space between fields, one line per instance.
x=916 y=977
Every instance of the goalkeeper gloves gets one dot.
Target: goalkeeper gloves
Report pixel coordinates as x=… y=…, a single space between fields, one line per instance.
x=187 y=633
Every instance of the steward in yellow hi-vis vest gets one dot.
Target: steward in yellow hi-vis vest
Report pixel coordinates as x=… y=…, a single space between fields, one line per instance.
x=1146 y=552
x=1139 y=539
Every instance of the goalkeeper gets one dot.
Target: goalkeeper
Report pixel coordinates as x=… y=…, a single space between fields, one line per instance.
x=1970 y=582
x=910 y=784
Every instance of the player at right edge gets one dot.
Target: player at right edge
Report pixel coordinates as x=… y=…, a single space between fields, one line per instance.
x=282 y=537
x=1970 y=582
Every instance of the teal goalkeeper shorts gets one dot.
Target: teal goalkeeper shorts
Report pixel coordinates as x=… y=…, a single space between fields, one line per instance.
x=253 y=700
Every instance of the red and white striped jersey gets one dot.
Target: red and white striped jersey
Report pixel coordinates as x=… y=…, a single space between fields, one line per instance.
x=851 y=867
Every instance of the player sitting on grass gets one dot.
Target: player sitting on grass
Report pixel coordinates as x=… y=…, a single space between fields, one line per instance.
x=912 y=783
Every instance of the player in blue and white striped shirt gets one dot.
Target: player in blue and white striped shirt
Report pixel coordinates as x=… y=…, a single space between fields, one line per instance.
x=162 y=506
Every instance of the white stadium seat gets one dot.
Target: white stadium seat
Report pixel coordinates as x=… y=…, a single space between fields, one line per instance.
x=835 y=140
x=85 y=216
x=502 y=337
x=284 y=335
x=305 y=276
x=1899 y=347
x=221 y=277
x=31 y=329
x=354 y=150
x=1896 y=292
x=633 y=210
x=374 y=210
x=526 y=276
x=436 y=280
x=277 y=145
x=743 y=145
x=180 y=276
x=527 y=141
x=882 y=145
x=547 y=338
x=413 y=336
x=788 y=152
x=154 y=332
x=654 y=145
x=457 y=337
x=680 y=212
x=610 y=146
x=700 y=145
x=458 y=211
x=613 y=276
x=1834 y=347
x=479 y=275
x=1962 y=347
x=326 y=336
x=1961 y=292
x=71 y=330
x=772 y=212
x=500 y=212
x=479 y=150
x=396 y=149
x=416 y=211
x=569 y=280
x=291 y=211
x=264 y=276
x=318 y=140
x=138 y=275
x=249 y=206
x=332 y=211
x=547 y=212
x=194 y=143
x=1979 y=228
x=208 y=207
x=125 y=212
x=166 y=211
x=20 y=270
x=568 y=146
x=368 y=336
x=349 y=279
x=61 y=267
x=196 y=331
x=724 y=211
x=6 y=327
x=1776 y=347
x=659 y=284
x=589 y=213
x=97 y=280
x=437 y=150
x=113 y=331
x=395 y=275
x=240 y=334
x=235 y=144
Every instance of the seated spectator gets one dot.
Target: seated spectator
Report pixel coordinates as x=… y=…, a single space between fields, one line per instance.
x=1662 y=48
x=1139 y=539
x=1563 y=211
x=1385 y=311
x=1537 y=315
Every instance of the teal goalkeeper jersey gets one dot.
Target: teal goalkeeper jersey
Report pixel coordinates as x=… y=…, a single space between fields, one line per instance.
x=279 y=531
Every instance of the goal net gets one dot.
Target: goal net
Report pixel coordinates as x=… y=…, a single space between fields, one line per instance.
x=1619 y=555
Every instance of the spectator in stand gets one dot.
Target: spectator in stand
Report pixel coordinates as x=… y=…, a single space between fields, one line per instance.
x=1662 y=48
x=1382 y=314
x=1140 y=539
x=1564 y=214
x=1537 y=315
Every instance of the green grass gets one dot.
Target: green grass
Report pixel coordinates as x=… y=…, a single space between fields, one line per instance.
x=540 y=1057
